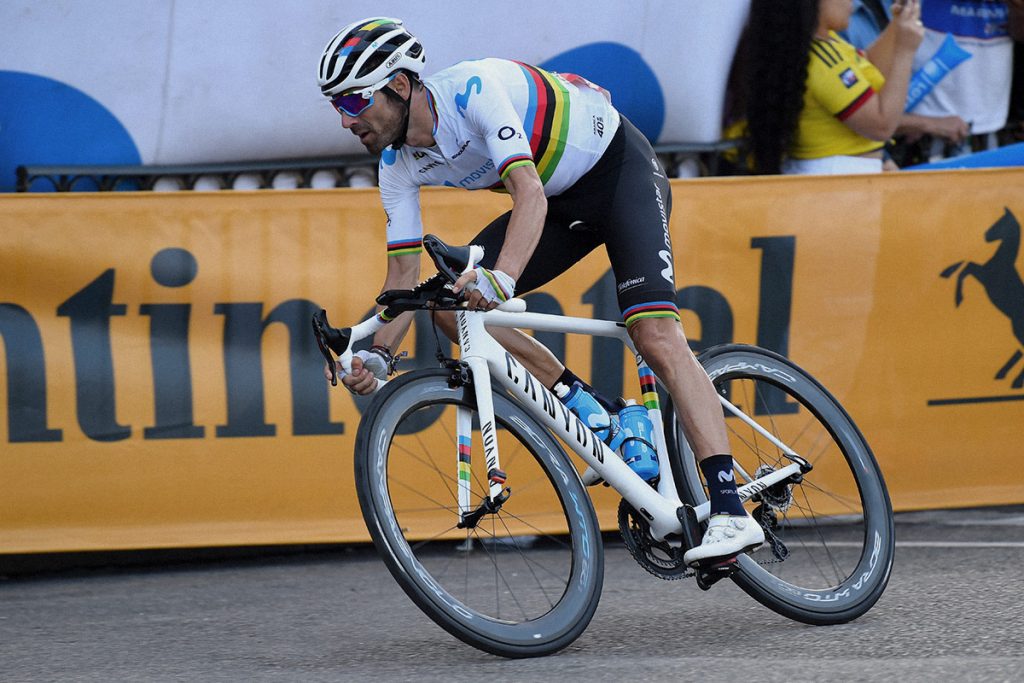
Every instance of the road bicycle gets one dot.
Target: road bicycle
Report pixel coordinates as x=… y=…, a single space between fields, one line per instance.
x=480 y=515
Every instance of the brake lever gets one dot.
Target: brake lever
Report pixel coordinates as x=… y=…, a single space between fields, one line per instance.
x=330 y=339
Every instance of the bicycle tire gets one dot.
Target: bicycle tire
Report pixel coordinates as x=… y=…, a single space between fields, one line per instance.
x=837 y=524
x=527 y=580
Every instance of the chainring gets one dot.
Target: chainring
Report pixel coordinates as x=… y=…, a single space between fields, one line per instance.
x=657 y=557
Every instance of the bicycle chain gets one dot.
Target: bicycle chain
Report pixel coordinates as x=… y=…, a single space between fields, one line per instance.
x=636 y=535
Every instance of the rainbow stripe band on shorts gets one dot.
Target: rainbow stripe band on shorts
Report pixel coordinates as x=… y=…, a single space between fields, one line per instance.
x=403 y=247
x=653 y=309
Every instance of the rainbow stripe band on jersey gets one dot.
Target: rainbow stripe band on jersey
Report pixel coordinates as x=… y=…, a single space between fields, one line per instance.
x=382 y=317
x=433 y=110
x=648 y=389
x=653 y=309
x=505 y=167
x=403 y=247
x=547 y=119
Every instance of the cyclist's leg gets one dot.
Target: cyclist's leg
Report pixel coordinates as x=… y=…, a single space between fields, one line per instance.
x=634 y=226
x=641 y=257
x=557 y=249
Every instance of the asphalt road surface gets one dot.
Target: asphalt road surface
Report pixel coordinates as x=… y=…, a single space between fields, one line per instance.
x=953 y=611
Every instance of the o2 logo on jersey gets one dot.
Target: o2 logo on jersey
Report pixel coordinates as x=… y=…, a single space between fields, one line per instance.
x=474 y=84
x=508 y=132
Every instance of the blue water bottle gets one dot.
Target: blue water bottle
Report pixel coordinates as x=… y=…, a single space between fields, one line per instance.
x=638 y=449
x=579 y=401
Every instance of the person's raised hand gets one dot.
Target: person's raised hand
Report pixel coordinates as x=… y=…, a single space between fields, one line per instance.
x=906 y=21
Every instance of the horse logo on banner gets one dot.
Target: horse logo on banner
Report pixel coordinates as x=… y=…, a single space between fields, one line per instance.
x=1002 y=283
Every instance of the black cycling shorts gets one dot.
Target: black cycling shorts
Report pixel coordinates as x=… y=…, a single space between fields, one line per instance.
x=623 y=202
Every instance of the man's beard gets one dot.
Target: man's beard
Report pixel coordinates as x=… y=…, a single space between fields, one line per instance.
x=380 y=141
x=387 y=131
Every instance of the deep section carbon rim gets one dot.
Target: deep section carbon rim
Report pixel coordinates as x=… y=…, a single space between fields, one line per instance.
x=526 y=579
x=830 y=535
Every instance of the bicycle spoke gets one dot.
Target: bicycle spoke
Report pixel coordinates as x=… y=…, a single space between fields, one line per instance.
x=514 y=565
x=814 y=573
x=530 y=567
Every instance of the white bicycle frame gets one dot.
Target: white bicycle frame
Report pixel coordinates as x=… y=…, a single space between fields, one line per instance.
x=487 y=359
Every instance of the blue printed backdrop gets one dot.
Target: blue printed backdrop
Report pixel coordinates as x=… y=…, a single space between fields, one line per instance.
x=43 y=121
x=622 y=71
x=188 y=81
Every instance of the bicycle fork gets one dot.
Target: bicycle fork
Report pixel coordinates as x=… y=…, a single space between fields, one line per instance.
x=497 y=492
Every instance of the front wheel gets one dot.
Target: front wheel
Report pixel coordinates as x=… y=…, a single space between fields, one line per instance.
x=526 y=579
x=829 y=537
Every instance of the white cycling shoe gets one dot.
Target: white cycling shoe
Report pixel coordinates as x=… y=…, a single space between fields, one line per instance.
x=726 y=537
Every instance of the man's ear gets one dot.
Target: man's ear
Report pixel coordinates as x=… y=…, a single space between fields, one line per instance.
x=401 y=85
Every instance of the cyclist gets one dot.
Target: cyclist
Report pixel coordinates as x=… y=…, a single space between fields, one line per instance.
x=579 y=174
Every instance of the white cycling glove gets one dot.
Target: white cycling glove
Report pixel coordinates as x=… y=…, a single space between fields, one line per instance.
x=493 y=285
x=378 y=361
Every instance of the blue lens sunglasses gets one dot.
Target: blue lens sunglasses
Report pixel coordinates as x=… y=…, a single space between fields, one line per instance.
x=356 y=102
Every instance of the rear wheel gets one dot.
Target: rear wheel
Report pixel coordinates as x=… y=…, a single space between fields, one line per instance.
x=830 y=536
x=526 y=580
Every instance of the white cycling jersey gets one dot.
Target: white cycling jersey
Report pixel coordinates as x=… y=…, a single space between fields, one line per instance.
x=490 y=116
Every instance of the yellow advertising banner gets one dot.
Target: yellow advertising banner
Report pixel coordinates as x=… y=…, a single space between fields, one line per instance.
x=159 y=385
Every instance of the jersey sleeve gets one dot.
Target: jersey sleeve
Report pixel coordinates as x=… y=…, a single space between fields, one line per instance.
x=836 y=81
x=491 y=113
x=401 y=199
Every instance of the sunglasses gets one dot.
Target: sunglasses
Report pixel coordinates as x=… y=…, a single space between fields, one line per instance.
x=356 y=102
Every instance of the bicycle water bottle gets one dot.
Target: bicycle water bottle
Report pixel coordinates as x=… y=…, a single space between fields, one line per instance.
x=579 y=401
x=638 y=445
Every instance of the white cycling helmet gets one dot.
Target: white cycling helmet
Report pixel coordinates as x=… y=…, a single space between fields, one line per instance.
x=366 y=52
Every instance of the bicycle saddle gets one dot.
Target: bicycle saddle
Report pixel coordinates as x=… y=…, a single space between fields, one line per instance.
x=450 y=261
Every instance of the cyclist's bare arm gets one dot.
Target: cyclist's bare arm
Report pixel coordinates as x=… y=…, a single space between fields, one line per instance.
x=403 y=273
x=529 y=208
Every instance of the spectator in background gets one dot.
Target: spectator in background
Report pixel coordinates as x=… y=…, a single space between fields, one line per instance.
x=814 y=104
x=978 y=90
x=869 y=19
x=1014 y=131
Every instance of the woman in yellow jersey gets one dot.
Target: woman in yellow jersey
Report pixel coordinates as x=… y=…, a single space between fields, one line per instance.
x=815 y=104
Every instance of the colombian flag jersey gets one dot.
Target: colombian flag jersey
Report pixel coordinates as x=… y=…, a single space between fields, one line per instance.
x=839 y=81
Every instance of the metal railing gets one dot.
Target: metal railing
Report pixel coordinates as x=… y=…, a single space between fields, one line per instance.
x=337 y=171
x=261 y=174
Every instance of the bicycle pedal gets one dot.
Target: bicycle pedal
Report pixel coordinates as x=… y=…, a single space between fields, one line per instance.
x=710 y=574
